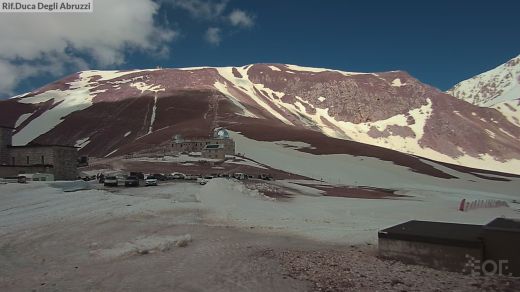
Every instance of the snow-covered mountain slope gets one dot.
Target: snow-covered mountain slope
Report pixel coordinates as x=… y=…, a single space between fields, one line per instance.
x=116 y=112
x=498 y=88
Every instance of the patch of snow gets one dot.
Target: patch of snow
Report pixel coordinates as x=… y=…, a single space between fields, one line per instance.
x=224 y=90
x=397 y=83
x=147 y=87
x=152 y=118
x=274 y=68
x=112 y=74
x=78 y=97
x=127 y=133
x=319 y=70
x=247 y=87
x=22 y=119
x=321 y=99
x=111 y=153
x=511 y=111
x=246 y=162
x=82 y=142
x=193 y=68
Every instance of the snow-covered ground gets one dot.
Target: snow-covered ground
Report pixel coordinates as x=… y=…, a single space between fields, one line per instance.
x=227 y=202
x=341 y=220
x=352 y=170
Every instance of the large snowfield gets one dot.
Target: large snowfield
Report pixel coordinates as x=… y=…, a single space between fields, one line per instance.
x=227 y=202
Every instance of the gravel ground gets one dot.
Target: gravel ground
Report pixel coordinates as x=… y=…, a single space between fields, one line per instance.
x=359 y=269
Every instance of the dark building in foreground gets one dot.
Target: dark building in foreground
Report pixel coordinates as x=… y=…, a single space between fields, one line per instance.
x=493 y=248
x=433 y=244
x=60 y=160
x=502 y=242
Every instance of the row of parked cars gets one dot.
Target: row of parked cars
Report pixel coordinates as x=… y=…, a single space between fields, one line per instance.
x=129 y=181
x=133 y=180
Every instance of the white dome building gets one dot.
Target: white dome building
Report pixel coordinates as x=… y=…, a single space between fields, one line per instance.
x=220 y=133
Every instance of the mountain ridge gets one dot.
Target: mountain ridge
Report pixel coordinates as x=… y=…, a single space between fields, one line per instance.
x=108 y=111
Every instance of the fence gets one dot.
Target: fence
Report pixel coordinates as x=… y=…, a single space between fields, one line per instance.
x=479 y=204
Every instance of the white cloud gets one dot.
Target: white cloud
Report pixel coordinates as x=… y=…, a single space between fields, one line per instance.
x=240 y=18
x=213 y=35
x=36 y=43
x=200 y=8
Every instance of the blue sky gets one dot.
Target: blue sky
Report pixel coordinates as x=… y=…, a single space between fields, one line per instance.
x=438 y=42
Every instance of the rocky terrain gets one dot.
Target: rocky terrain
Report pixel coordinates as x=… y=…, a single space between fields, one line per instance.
x=110 y=113
x=358 y=268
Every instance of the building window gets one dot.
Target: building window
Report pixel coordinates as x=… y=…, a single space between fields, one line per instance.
x=43 y=159
x=27 y=160
x=13 y=160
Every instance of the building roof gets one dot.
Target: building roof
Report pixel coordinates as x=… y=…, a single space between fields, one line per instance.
x=214 y=146
x=32 y=144
x=435 y=232
x=504 y=224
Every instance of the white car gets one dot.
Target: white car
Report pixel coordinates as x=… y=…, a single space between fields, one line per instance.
x=178 y=175
x=110 y=181
x=150 y=181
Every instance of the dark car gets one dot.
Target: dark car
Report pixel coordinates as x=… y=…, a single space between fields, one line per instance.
x=160 y=177
x=265 y=176
x=132 y=181
x=139 y=175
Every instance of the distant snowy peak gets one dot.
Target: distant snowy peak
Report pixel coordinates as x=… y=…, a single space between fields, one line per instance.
x=498 y=88
x=501 y=84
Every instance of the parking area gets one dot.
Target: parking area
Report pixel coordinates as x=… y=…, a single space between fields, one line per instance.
x=178 y=191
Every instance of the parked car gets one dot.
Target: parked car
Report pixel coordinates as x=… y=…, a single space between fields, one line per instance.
x=208 y=176
x=150 y=180
x=132 y=181
x=190 y=177
x=265 y=176
x=159 y=176
x=178 y=175
x=139 y=175
x=110 y=181
x=240 y=176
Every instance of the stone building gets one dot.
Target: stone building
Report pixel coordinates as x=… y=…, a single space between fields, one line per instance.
x=214 y=151
x=5 y=142
x=59 y=160
x=197 y=144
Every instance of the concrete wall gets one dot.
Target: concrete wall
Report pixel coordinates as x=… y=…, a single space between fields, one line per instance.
x=32 y=155
x=229 y=145
x=503 y=245
x=5 y=141
x=10 y=171
x=442 y=257
x=65 y=161
x=218 y=153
